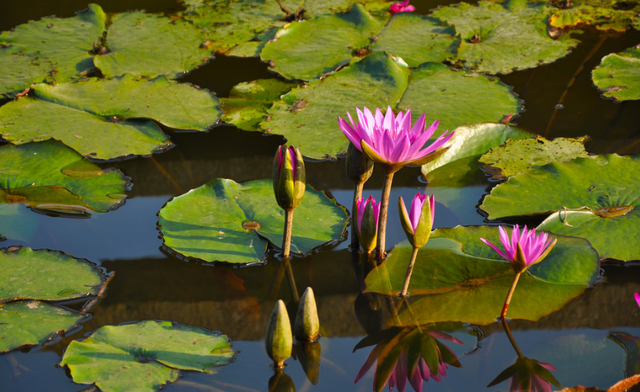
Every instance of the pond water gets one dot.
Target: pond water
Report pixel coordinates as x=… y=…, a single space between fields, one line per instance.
x=152 y=283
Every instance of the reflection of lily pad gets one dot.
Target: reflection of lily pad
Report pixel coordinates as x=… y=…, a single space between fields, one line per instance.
x=227 y=221
x=618 y=75
x=464 y=280
x=95 y=117
x=144 y=356
x=605 y=184
x=50 y=176
x=518 y=156
x=502 y=37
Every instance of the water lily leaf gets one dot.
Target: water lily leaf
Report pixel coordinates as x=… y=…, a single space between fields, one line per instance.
x=248 y=102
x=457 y=98
x=604 y=14
x=503 y=37
x=150 y=45
x=316 y=8
x=25 y=323
x=618 y=75
x=473 y=140
x=59 y=180
x=144 y=356
x=98 y=118
x=518 y=156
x=308 y=116
x=50 y=49
x=462 y=279
x=309 y=49
x=226 y=221
x=417 y=39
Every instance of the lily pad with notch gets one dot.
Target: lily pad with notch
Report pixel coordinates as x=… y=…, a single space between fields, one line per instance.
x=144 y=356
x=618 y=75
x=231 y=222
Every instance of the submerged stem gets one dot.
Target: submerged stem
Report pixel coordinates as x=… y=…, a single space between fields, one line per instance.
x=503 y=315
x=407 y=278
x=382 y=221
x=511 y=339
x=286 y=240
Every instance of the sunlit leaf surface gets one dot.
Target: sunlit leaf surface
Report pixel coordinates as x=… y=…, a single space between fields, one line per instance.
x=618 y=75
x=616 y=15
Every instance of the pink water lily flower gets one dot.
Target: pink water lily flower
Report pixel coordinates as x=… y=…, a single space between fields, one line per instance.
x=418 y=222
x=637 y=298
x=401 y=7
x=523 y=248
x=390 y=140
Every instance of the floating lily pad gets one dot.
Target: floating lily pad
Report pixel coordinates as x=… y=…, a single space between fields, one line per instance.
x=417 y=39
x=473 y=140
x=606 y=184
x=51 y=176
x=150 y=45
x=618 y=75
x=226 y=221
x=309 y=49
x=248 y=102
x=518 y=156
x=308 y=116
x=457 y=98
x=462 y=279
x=50 y=49
x=316 y=8
x=144 y=356
x=616 y=15
x=102 y=119
x=503 y=37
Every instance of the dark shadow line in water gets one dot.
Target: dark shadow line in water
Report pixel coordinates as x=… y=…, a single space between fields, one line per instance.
x=166 y=174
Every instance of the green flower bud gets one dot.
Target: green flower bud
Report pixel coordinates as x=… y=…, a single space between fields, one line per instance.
x=278 y=339
x=307 y=325
x=359 y=168
x=289 y=177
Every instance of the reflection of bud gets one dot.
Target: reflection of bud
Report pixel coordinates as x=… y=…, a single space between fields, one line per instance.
x=307 y=325
x=418 y=222
x=278 y=339
x=288 y=177
x=359 y=168
x=528 y=375
x=281 y=382
x=308 y=353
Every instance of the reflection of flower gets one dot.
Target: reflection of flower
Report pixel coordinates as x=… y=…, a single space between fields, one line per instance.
x=523 y=249
x=401 y=7
x=418 y=222
x=408 y=354
x=637 y=298
x=528 y=375
x=367 y=215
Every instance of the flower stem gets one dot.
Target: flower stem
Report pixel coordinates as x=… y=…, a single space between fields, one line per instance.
x=355 y=244
x=407 y=278
x=286 y=241
x=503 y=315
x=511 y=339
x=382 y=221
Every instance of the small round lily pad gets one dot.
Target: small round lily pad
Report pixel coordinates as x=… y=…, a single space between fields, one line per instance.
x=618 y=75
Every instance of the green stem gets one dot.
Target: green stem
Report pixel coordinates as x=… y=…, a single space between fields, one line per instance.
x=382 y=220
x=407 y=278
x=286 y=241
x=503 y=315
x=511 y=339
x=355 y=244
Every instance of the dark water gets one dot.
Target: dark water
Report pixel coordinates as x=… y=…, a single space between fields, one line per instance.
x=149 y=283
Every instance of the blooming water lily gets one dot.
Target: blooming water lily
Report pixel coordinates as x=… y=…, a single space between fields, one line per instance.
x=637 y=296
x=401 y=7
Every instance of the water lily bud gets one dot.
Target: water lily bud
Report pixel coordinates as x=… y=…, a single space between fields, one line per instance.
x=359 y=167
x=289 y=177
x=417 y=224
x=309 y=354
x=367 y=214
x=307 y=325
x=278 y=339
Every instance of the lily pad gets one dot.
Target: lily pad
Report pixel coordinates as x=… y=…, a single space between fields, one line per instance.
x=226 y=221
x=103 y=119
x=308 y=116
x=50 y=49
x=462 y=279
x=51 y=176
x=309 y=49
x=517 y=156
x=417 y=39
x=457 y=98
x=618 y=75
x=503 y=37
x=248 y=102
x=616 y=15
x=473 y=140
x=144 y=356
x=606 y=184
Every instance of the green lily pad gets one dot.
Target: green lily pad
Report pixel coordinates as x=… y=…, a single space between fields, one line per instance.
x=144 y=356
x=309 y=49
x=462 y=279
x=102 y=119
x=618 y=75
x=226 y=221
x=58 y=180
x=517 y=156
x=615 y=15
x=316 y=8
x=50 y=49
x=473 y=140
x=417 y=39
x=248 y=102
x=457 y=98
x=24 y=323
x=151 y=45
x=308 y=116
x=503 y=37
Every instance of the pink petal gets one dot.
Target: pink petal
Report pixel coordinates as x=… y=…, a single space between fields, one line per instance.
x=496 y=249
